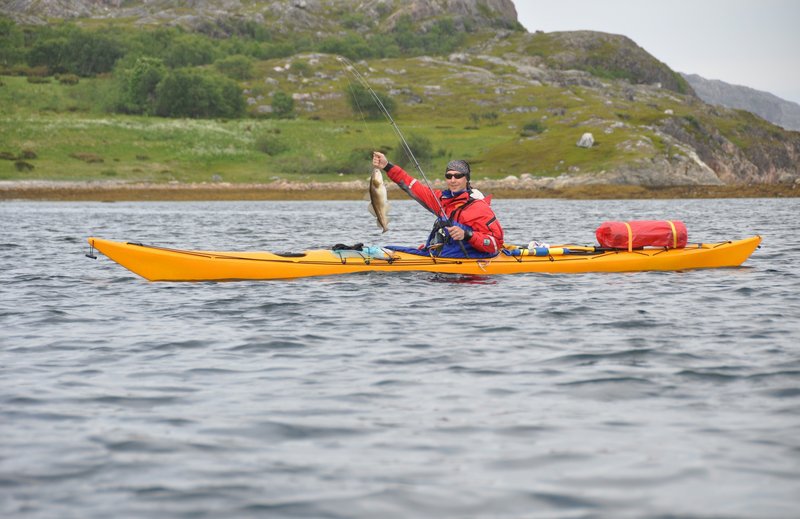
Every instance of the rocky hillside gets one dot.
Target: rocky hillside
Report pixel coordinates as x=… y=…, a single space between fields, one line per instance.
x=607 y=56
x=527 y=98
x=286 y=14
x=772 y=108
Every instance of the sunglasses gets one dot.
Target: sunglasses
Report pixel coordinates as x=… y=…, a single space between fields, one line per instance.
x=448 y=176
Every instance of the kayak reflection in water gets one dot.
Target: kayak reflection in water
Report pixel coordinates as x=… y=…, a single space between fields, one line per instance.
x=470 y=229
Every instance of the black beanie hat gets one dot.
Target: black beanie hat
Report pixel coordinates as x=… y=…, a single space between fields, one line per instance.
x=458 y=165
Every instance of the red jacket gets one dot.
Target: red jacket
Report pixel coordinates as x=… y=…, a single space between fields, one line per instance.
x=474 y=214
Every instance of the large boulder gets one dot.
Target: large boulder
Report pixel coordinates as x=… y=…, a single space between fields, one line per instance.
x=586 y=141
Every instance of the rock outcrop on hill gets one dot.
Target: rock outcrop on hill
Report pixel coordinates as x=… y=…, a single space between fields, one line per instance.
x=610 y=55
x=306 y=14
x=492 y=13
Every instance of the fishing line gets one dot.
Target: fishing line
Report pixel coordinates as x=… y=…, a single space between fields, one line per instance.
x=348 y=66
x=358 y=105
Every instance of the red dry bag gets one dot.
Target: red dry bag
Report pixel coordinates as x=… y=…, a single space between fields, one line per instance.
x=642 y=233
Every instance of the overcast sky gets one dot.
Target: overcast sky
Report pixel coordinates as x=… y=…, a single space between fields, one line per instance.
x=755 y=43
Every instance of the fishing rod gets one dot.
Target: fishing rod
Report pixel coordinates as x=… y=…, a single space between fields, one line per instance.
x=363 y=81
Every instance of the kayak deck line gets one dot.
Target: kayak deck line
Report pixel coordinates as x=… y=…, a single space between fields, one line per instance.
x=424 y=260
x=157 y=263
x=342 y=258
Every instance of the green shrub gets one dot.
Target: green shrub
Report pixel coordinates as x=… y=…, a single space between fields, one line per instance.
x=275 y=50
x=270 y=144
x=352 y=20
x=352 y=46
x=190 y=50
x=693 y=122
x=23 y=166
x=358 y=161
x=24 y=70
x=68 y=79
x=365 y=105
x=196 y=94
x=38 y=80
x=441 y=38
x=533 y=128
x=12 y=41
x=89 y=158
x=420 y=146
x=236 y=67
x=40 y=71
x=76 y=51
x=300 y=68
x=138 y=86
x=282 y=105
x=492 y=117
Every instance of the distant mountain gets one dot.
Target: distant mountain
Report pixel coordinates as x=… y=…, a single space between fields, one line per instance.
x=770 y=107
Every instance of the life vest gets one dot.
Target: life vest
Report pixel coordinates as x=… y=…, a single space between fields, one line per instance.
x=466 y=206
x=441 y=244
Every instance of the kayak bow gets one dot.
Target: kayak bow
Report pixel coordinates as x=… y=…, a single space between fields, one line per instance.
x=165 y=264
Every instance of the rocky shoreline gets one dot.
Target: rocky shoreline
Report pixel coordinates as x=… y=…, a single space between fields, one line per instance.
x=357 y=189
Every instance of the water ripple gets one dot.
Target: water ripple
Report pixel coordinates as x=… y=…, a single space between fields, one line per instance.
x=663 y=394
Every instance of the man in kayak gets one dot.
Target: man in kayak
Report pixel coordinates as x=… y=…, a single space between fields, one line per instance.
x=469 y=227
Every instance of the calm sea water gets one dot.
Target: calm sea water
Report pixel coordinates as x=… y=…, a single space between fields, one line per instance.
x=395 y=395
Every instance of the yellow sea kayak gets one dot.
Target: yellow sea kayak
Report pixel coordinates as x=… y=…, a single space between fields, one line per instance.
x=165 y=264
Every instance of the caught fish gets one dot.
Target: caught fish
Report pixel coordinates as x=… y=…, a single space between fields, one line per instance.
x=378 y=199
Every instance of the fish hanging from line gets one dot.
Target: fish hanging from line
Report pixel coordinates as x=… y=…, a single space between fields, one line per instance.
x=378 y=199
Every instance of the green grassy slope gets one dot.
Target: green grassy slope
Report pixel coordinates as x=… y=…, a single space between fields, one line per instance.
x=478 y=107
x=72 y=139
